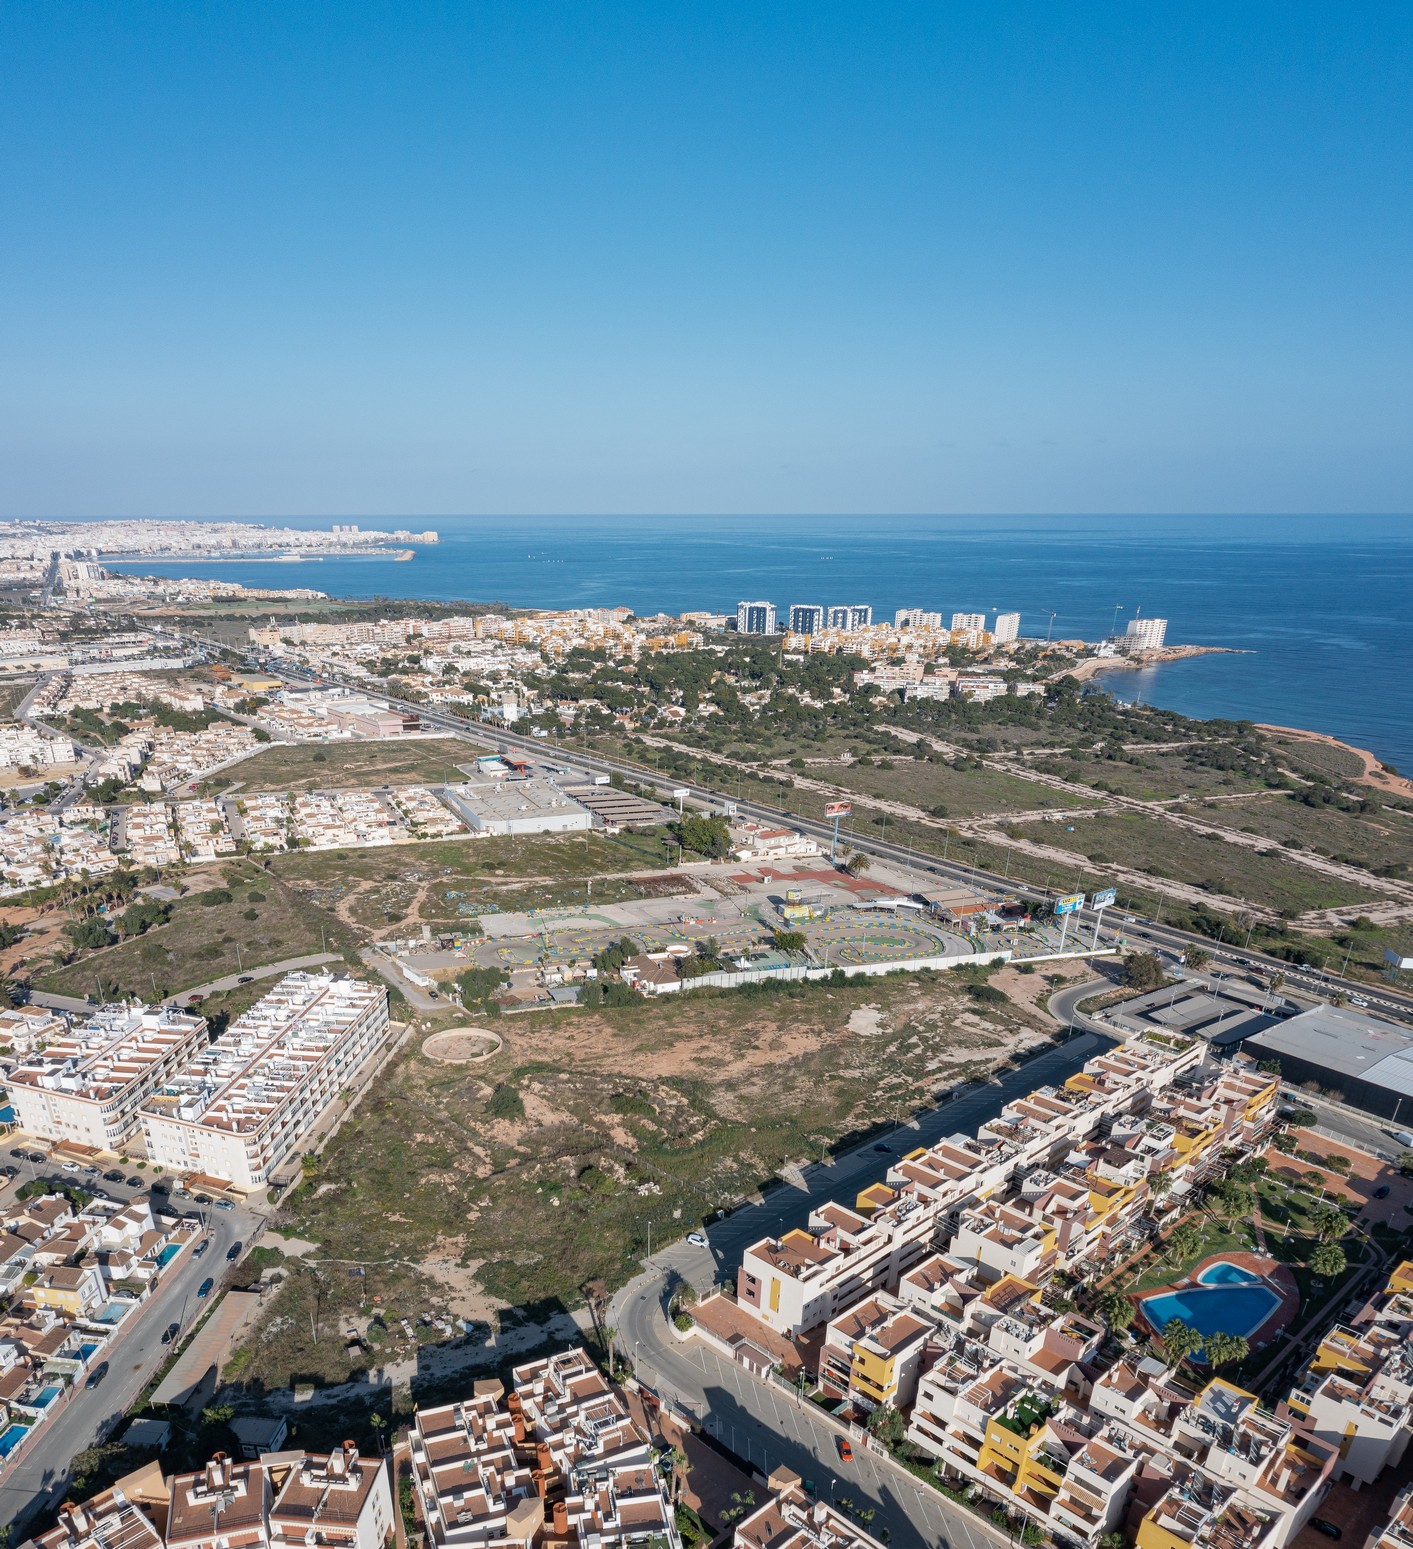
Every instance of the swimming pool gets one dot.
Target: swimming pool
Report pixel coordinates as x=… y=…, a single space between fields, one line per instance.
x=1226 y=1300
x=11 y=1437
x=167 y=1254
x=47 y=1394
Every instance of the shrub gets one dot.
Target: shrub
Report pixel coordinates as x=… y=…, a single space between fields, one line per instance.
x=505 y=1103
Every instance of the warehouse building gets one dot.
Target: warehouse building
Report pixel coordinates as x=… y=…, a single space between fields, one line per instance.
x=1366 y=1060
x=517 y=806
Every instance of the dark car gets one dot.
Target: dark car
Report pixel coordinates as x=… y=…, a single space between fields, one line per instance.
x=204 y=1289
x=1327 y=1528
x=134 y=1182
x=1382 y=1192
x=246 y=979
x=202 y=1199
x=233 y=1252
x=35 y=1156
x=171 y=1332
x=887 y=1150
x=97 y=1375
x=114 y=1175
x=161 y=1186
x=17 y=1151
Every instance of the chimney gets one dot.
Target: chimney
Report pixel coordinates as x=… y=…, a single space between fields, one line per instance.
x=519 y=1423
x=561 y=1519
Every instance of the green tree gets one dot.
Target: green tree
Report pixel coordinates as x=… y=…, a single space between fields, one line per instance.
x=790 y=941
x=1116 y=1310
x=1196 y=958
x=708 y=837
x=1143 y=971
x=887 y=1424
x=1328 y=1221
x=1184 y=1241
x=89 y=935
x=1221 y=1349
x=1328 y=1261
x=1179 y=1341
x=505 y=1103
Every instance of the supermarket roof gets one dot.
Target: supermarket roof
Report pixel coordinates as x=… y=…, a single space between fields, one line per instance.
x=1350 y=1043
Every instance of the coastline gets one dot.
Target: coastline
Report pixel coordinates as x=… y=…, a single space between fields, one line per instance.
x=256 y=557
x=1376 y=773
x=1092 y=666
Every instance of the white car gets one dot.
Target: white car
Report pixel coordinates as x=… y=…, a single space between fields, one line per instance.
x=71 y=1167
x=697 y=1240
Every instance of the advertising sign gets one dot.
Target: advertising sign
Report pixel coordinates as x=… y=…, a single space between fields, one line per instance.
x=1069 y=903
x=1102 y=899
x=838 y=809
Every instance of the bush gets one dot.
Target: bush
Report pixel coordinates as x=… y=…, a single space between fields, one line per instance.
x=505 y=1103
x=213 y=896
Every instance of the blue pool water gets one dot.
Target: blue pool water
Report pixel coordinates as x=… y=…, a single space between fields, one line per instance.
x=10 y=1438
x=167 y=1254
x=114 y=1312
x=47 y=1395
x=1226 y=1300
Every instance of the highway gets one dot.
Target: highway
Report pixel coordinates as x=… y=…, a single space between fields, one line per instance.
x=1149 y=933
x=38 y=1479
x=760 y=1421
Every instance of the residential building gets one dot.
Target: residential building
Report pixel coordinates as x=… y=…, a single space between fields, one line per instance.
x=87 y=1085
x=756 y=618
x=1006 y=628
x=244 y=1104
x=968 y=623
x=916 y=618
x=558 y=1458
x=1144 y=634
x=806 y=618
x=856 y=615
x=873 y=1352
x=791 y=1519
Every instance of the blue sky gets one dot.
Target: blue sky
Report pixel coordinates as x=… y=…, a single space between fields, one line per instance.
x=435 y=258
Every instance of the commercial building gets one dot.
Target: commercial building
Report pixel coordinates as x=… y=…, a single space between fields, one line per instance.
x=239 y=1109
x=557 y=1459
x=1006 y=628
x=517 y=806
x=806 y=618
x=87 y=1085
x=1144 y=635
x=756 y=618
x=1366 y=1059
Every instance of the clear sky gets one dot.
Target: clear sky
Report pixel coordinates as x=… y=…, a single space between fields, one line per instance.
x=422 y=258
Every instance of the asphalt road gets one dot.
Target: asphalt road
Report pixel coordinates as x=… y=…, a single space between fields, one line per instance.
x=758 y=1420
x=39 y=1478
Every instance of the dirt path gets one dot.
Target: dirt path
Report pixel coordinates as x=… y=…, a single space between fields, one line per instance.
x=1374 y=774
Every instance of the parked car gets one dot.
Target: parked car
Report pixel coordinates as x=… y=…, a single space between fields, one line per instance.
x=233 y=1252
x=204 y=1289
x=134 y=1182
x=35 y=1156
x=114 y=1175
x=1327 y=1528
x=846 y=1451
x=97 y=1375
x=90 y=1172
x=71 y=1167
x=18 y=1151
x=201 y=1247
x=1382 y=1192
x=171 y=1332
x=697 y=1239
x=886 y=1150
x=246 y=979
x=224 y=1204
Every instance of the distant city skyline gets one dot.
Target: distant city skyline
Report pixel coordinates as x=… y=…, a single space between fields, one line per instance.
x=280 y=261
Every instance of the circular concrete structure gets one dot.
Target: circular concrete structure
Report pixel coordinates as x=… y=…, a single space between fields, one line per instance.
x=462 y=1045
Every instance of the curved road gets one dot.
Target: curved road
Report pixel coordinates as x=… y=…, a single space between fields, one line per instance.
x=764 y=1423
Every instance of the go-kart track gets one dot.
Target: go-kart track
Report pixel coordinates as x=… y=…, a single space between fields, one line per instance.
x=845 y=937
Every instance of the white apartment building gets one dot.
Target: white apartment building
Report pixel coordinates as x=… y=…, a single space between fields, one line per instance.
x=1144 y=634
x=916 y=618
x=1006 y=628
x=755 y=618
x=245 y=1103
x=88 y=1085
x=963 y=623
x=26 y=747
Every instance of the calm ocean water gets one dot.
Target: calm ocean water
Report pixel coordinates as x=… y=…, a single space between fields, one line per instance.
x=1322 y=603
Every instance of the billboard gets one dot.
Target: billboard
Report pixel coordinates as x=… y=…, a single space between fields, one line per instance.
x=1397 y=960
x=838 y=809
x=1070 y=903
x=1102 y=899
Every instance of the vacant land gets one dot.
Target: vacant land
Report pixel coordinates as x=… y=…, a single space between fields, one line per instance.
x=1154 y=776
x=12 y=693
x=1165 y=850
x=546 y=1167
x=450 y=881
x=264 y=919
x=1383 y=838
x=964 y=793
x=1320 y=758
x=286 y=767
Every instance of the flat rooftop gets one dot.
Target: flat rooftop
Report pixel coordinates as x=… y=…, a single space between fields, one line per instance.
x=1350 y=1043
x=503 y=801
x=117 y=1046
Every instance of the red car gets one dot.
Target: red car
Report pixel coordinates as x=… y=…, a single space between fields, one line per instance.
x=846 y=1451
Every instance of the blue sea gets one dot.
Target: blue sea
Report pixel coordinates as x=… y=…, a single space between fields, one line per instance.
x=1321 y=603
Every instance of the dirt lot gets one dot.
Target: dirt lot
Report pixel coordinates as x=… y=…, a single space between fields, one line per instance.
x=307 y=768
x=510 y=1184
